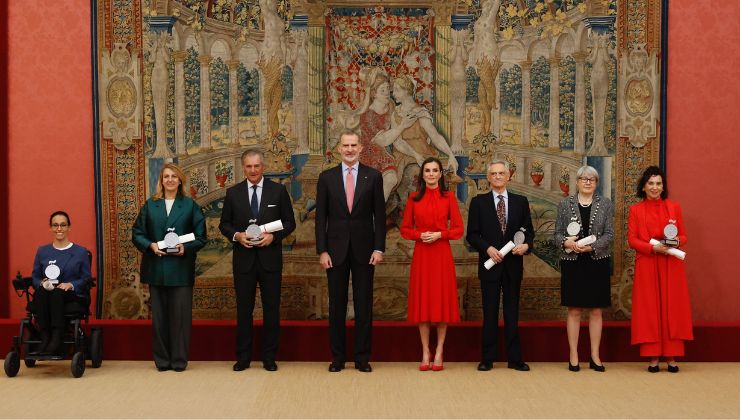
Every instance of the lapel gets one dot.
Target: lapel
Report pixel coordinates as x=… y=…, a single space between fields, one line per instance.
x=175 y=212
x=339 y=174
x=492 y=206
x=361 y=185
x=266 y=194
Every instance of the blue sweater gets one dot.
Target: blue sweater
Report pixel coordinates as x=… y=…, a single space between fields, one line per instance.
x=73 y=264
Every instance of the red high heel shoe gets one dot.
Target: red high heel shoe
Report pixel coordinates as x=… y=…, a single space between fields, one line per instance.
x=438 y=367
x=425 y=366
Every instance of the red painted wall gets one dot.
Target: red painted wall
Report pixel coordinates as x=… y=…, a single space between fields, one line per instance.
x=703 y=147
x=50 y=154
x=50 y=149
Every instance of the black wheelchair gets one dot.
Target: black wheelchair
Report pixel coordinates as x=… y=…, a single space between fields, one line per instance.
x=75 y=341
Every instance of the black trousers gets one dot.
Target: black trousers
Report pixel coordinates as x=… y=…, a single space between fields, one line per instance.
x=172 y=319
x=49 y=307
x=491 y=290
x=362 y=291
x=245 y=285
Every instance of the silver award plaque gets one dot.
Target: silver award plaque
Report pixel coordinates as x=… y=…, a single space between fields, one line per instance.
x=171 y=239
x=573 y=228
x=52 y=272
x=518 y=238
x=254 y=233
x=670 y=231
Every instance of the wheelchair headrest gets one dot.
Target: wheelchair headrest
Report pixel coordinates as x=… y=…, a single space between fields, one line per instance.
x=21 y=283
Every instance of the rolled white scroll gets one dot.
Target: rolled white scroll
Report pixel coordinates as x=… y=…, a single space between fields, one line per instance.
x=671 y=251
x=190 y=237
x=272 y=226
x=588 y=240
x=505 y=250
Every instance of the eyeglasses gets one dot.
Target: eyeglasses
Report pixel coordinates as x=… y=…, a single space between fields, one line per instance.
x=57 y=226
x=587 y=180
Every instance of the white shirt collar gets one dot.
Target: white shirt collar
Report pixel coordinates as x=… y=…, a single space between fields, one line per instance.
x=505 y=194
x=259 y=184
x=356 y=167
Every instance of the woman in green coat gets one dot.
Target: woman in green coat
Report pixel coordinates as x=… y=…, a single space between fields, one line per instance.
x=170 y=272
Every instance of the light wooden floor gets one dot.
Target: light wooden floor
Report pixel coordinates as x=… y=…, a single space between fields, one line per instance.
x=124 y=389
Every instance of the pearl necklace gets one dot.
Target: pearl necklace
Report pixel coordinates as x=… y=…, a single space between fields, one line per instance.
x=582 y=204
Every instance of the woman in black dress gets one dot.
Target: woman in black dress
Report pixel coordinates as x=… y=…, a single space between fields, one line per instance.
x=585 y=268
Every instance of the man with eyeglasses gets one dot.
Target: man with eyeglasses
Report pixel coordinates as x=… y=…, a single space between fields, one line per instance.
x=494 y=218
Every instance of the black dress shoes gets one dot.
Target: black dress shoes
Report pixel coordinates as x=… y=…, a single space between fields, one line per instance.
x=654 y=369
x=164 y=368
x=520 y=366
x=179 y=369
x=270 y=366
x=573 y=368
x=594 y=366
x=240 y=365
x=336 y=366
x=363 y=367
x=673 y=368
x=485 y=366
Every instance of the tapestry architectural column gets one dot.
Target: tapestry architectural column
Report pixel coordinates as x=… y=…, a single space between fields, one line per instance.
x=579 y=142
x=526 y=101
x=233 y=103
x=179 y=59
x=442 y=41
x=205 y=102
x=554 y=124
x=300 y=89
x=316 y=103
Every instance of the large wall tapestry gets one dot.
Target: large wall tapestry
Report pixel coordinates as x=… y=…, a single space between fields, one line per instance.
x=547 y=85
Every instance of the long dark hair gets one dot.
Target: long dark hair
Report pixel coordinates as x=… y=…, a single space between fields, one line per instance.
x=422 y=186
x=650 y=172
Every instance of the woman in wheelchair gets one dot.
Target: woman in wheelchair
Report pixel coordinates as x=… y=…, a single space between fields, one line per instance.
x=60 y=273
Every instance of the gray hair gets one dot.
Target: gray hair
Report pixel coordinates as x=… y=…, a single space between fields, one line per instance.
x=588 y=171
x=253 y=151
x=348 y=132
x=499 y=162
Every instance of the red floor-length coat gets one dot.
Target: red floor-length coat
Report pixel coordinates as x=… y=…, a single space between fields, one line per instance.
x=650 y=269
x=433 y=283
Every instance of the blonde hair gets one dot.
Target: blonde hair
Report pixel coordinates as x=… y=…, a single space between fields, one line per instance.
x=407 y=83
x=159 y=193
x=379 y=80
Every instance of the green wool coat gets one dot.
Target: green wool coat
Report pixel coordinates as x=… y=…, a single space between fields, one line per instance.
x=151 y=225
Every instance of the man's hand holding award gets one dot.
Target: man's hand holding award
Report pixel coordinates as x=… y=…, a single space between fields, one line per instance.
x=517 y=240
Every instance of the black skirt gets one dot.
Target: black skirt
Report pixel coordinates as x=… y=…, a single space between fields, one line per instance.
x=584 y=283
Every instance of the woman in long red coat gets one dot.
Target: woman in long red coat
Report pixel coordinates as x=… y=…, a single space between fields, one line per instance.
x=432 y=218
x=661 y=312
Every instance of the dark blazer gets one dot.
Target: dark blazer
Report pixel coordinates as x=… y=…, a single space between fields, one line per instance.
x=336 y=228
x=601 y=224
x=275 y=205
x=151 y=225
x=484 y=230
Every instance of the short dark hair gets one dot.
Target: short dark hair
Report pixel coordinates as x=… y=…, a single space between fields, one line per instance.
x=650 y=172
x=60 y=213
x=347 y=132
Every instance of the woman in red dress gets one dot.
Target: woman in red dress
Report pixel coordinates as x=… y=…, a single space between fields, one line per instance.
x=431 y=219
x=661 y=313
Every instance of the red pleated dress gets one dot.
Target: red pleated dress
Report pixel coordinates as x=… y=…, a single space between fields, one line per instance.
x=433 y=282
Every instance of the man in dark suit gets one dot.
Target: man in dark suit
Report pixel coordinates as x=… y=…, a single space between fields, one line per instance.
x=350 y=238
x=493 y=219
x=260 y=201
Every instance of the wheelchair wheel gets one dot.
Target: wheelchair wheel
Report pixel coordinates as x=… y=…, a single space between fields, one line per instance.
x=12 y=364
x=96 y=347
x=78 y=364
x=30 y=362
